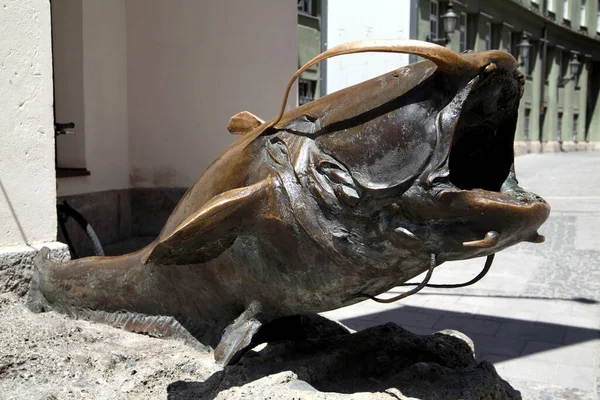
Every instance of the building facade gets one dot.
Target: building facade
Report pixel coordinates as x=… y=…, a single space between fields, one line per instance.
x=150 y=86
x=312 y=19
x=560 y=108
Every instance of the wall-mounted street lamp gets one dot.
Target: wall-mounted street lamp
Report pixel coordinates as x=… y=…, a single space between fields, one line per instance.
x=524 y=50
x=574 y=66
x=449 y=19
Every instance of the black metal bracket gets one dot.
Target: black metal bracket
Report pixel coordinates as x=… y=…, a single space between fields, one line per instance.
x=443 y=41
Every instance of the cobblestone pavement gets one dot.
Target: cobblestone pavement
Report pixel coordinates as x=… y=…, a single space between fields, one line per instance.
x=536 y=315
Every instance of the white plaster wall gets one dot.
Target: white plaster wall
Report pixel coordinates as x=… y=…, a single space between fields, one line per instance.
x=192 y=65
x=27 y=180
x=104 y=99
x=350 y=20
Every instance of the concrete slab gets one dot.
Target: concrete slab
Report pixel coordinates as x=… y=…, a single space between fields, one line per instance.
x=498 y=346
x=529 y=370
x=528 y=331
x=413 y=318
x=587 y=237
x=568 y=355
x=469 y=325
x=576 y=377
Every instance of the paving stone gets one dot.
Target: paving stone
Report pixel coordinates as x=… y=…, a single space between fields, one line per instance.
x=576 y=376
x=468 y=325
x=582 y=336
x=573 y=321
x=419 y=330
x=530 y=370
x=587 y=237
x=358 y=324
x=591 y=311
x=493 y=358
x=471 y=308
x=531 y=331
x=500 y=346
x=412 y=318
x=364 y=310
x=569 y=355
x=523 y=303
x=502 y=314
x=440 y=300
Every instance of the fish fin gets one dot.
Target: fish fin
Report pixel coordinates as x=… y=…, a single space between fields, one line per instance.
x=189 y=331
x=243 y=122
x=237 y=336
x=213 y=228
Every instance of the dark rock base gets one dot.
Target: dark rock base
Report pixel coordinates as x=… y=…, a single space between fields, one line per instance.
x=384 y=361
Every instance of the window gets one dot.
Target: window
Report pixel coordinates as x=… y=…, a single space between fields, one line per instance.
x=488 y=36
x=550 y=5
x=526 y=124
x=582 y=16
x=463 y=31
x=433 y=19
x=306 y=90
x=559 y=127
x=305 y=6
x=566 y=14
x=575 y=126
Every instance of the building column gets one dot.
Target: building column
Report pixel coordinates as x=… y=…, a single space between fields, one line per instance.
x=583 y=93
x=570 y=108
x=550 y=131
x=538 y=81
x=28 y=180
x=594 y=129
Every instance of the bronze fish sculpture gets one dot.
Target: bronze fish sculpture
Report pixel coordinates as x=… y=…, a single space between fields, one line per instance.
x=330 y=203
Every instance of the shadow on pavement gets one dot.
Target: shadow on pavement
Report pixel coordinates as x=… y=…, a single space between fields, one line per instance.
x=499 y=337
x=492 y=335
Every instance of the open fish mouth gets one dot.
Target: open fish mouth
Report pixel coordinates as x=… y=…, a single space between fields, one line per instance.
x=478 y=189
x=482 y=156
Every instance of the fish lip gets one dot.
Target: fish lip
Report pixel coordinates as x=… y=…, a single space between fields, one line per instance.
x=468 y=215
x=521 y=198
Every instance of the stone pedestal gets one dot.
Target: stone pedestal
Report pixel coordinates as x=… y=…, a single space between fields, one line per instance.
x=16 y=263
x=382 y=362
x=48 y=355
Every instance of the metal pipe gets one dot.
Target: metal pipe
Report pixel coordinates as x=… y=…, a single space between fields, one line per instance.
x=323 y=22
